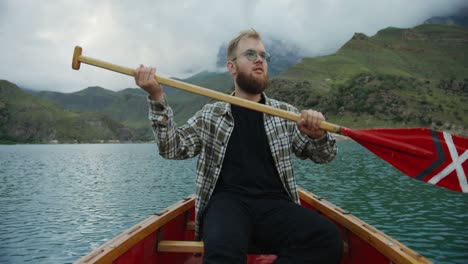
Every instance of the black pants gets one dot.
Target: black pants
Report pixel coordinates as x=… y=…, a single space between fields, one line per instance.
x=293 y=233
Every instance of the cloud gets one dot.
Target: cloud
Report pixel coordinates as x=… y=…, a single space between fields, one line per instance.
x=179 y=37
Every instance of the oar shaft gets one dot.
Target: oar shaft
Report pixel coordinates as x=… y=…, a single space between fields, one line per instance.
x=77 y=59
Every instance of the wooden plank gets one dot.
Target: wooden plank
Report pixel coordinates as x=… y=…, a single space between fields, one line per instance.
x=195 y=246
x=180 y=246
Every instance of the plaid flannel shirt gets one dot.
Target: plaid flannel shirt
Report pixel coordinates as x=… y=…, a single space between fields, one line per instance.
x=207 y=134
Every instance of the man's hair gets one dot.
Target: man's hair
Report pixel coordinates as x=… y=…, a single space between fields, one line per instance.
x=251 y=33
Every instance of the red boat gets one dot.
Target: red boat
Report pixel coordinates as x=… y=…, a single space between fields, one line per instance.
x=168 y=238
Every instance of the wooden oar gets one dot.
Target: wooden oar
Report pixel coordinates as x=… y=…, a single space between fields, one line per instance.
x=424 y=154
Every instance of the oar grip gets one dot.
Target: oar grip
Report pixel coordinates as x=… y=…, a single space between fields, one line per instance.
x=76 y=58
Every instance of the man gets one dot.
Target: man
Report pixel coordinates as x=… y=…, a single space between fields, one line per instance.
x=245 y=187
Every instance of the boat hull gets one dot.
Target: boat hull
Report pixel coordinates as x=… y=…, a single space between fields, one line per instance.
x=168 y=238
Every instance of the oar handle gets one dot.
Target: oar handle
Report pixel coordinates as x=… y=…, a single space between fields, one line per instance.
x=78 y=59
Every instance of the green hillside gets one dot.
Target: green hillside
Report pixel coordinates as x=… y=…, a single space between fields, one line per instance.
x=130 y=107
x=90 y=99
x=29 y=119
x=127 y=106
x=426 y=51
x=399 y=77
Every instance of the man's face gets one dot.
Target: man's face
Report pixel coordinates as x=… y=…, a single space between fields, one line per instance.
x=251 y=75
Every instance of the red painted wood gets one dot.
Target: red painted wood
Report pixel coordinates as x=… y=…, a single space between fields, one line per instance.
x=145 y=252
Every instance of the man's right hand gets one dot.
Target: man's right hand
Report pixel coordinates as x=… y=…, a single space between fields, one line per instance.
x=145 y=78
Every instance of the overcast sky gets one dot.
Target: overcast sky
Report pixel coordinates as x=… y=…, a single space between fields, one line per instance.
x=179 y=37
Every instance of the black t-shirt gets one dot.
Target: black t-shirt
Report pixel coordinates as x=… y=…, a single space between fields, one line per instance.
x=248 y=166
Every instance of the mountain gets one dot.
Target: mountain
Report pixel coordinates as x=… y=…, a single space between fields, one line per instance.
x=426 y=51
x=127 y=107
x=404 y=77
x=89 y=100
x=397 y=78
x=26 y=118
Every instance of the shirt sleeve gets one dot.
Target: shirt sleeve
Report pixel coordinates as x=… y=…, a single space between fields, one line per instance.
x=159 y=111
x=320 y=150
x=173 y=142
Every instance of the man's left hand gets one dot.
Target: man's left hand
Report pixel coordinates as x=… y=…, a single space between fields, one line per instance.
x=309 y=123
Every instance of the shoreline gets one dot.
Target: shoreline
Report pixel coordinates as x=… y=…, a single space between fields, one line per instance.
x=338 y=137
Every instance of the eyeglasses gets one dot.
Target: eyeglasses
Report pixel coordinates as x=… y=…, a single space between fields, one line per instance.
x=251 y=55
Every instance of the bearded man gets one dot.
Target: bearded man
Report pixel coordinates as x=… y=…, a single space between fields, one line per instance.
x=246 y=193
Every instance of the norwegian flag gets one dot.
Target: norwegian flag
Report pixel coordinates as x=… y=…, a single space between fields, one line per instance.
x=432 y=156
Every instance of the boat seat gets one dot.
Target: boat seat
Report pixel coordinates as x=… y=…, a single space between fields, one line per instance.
x=197 y=247
x=191 y=227
x=191 y=247
x=180 y=246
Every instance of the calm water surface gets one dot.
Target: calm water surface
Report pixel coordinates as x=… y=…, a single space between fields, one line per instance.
x=58 y=202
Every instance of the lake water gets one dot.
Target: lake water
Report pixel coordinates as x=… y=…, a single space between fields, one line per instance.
x=59 y=202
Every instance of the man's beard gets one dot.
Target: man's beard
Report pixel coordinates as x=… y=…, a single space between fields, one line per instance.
x=250 y=84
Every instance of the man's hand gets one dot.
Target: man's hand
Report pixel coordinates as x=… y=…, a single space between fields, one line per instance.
x=145 y=78
x=309 y=123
